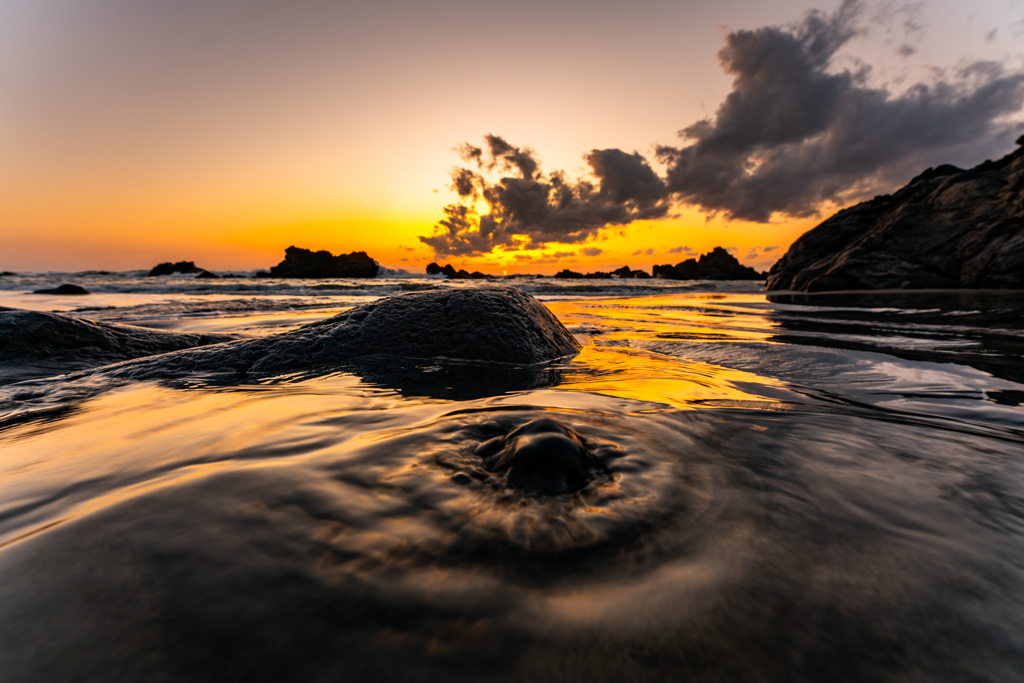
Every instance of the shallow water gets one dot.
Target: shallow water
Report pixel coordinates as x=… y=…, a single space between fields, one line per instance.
x=791 y=487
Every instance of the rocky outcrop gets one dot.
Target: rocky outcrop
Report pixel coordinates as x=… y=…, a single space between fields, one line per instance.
x=64 y=290
x=498 y=324
x=32 y=336
x=948 y=228
x=181 y=267
x=623 y=273
x=304 y=263
x=448 y=271
x=718 y=264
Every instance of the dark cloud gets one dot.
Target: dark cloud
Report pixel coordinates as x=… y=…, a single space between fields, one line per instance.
x=529 y=208
x=680 y=250
x=795 y=132
x=591 y=251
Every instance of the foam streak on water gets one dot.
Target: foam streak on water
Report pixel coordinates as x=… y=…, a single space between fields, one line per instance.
x=785 y=488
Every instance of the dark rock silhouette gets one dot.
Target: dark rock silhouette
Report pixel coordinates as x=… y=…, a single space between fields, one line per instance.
x=499 y=324
x=29 y=336
x=542 y=456
x=947 y=228
x=448 y=271
x=304 y=263
x=182 y=267
x=7 y=273
x=71 y=290
x=624 y=273
x=566 y=274
x=717 y=264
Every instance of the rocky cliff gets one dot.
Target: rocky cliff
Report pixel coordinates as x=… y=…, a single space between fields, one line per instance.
x=948 y=228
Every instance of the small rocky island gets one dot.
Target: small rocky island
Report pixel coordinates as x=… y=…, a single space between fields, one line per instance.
x=303 y=263
x=449 y=272
x=947 y=228
x=717 y=264
x=623 y=273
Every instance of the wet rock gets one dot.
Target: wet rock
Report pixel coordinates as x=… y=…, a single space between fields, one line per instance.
x=542 y=456
x=182 y=267
x=717 y=264
x=28 y=336
x=71 y=290
x=304 y=263
x=489 y=323
x=947 y=228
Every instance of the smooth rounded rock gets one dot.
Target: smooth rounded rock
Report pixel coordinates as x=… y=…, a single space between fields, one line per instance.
x=487 y=323
x=542 y=456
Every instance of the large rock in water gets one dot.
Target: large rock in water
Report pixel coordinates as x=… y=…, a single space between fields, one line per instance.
x=68 y=343
x=948 y=228
x=717 y=264
x=300 y=262
x=487 y=323
x=182 y=267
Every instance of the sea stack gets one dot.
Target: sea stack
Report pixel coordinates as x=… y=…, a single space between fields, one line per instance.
x=717 y=264
x=181 y=267
x=303 y=263
x=947 y=228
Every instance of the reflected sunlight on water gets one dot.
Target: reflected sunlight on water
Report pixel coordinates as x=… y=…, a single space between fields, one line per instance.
x=765 y=497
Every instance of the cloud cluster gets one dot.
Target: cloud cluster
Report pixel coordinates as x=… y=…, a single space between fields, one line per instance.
x=527 y=208
x=795 y=131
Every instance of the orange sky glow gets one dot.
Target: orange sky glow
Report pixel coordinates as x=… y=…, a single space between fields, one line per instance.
x=134 y=135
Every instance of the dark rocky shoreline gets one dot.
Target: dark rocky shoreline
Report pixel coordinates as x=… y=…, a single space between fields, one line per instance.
x=947 y=228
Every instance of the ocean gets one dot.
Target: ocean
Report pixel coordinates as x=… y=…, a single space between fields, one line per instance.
x=794 y=488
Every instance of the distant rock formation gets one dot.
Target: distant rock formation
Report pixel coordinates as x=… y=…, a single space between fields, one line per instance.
x=717 y=264
x=183 y=267
x=70 y=290
x=304 y=263
x=623 y=273
x=492 y=323
x=34 y=336
x=947 y=228
x=452 y=274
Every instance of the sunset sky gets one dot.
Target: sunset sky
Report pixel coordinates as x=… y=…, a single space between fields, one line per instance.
x=223 y=131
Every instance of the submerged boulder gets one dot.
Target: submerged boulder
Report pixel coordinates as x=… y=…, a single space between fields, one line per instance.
x=64 y=290
x=542 y=456
x=491 y=323
x=947 y=228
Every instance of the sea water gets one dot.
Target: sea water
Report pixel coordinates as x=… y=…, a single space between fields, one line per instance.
x=794 y=487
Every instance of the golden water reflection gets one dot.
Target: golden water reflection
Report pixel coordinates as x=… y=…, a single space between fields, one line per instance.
x=699 y=317
x=608 y=365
